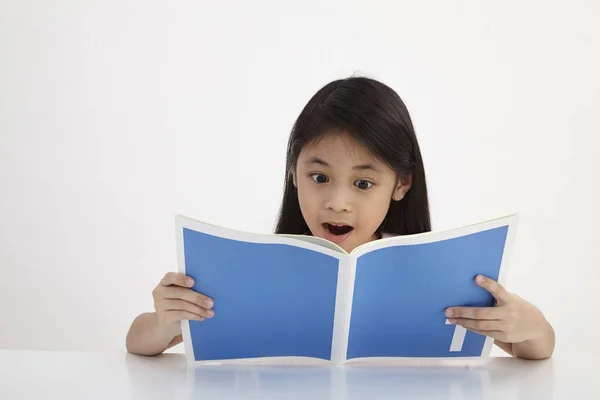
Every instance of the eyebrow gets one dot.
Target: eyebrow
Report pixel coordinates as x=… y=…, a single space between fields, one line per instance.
x=360 y=167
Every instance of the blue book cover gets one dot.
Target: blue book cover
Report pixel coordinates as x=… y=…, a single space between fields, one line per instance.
x=305 y=297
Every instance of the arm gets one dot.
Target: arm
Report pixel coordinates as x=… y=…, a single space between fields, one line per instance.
x=148 y=338
x=534 y=349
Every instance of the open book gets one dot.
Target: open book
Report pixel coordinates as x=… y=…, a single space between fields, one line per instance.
x=303 y=296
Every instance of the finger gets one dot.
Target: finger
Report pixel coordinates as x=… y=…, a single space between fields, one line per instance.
x=476 y=312
x=179 y=315
x=174 y=278
x=498 y=335
x=178 y=293
x=479 y=324
x=493 y=287
x=174 y=305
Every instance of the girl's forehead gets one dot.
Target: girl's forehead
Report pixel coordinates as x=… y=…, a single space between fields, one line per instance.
x=342 y=152
x=338 y=145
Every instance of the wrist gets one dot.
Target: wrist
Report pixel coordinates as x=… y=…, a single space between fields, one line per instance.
x=539 y=346
x=167 y=330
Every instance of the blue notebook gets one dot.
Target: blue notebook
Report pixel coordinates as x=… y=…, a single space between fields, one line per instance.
x=302 y=296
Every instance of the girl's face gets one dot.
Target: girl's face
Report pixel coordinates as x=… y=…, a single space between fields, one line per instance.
x=344 y=192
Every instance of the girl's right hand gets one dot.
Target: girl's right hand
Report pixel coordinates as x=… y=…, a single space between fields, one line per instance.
x=175 y=301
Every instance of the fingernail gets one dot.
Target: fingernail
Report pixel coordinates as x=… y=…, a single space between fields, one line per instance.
x=480 y=279
x=208 y=302
x=452 y=321
x=189 y=282
x=449 y=312
x=211 y=313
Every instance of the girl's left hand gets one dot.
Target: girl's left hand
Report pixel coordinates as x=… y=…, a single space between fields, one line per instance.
x=512 y=320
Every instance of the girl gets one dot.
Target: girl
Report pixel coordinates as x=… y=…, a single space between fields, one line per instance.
x=354 y=174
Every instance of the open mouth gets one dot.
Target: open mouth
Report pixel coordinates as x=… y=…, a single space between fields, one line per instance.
x=337 y=230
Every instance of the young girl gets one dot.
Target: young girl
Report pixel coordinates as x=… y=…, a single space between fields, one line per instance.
x=354 y=174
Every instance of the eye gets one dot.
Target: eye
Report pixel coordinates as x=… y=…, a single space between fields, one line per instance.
x=363 y=184
x=319 y=178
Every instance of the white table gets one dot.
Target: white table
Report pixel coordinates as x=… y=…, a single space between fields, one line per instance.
x=81 y=375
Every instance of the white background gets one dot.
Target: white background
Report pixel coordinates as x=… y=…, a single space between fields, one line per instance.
x=115 y=115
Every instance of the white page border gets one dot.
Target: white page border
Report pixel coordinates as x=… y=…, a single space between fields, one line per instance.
x=434 y=236
x=513 y=222
x=185 y=324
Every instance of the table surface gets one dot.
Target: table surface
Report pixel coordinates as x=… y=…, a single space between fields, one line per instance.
x=88 y=375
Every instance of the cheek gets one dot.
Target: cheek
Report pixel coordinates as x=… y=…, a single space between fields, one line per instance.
x=374 y=211
x=308 y=200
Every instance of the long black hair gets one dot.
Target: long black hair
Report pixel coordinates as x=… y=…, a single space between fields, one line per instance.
x=377 y=118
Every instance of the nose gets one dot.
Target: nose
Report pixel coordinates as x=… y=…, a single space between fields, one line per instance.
x=339 y=200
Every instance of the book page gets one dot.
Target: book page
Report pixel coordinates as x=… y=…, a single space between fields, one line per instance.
x=272 y=298
x=402 y=290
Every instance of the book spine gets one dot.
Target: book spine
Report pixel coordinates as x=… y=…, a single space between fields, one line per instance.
x=343 y=308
